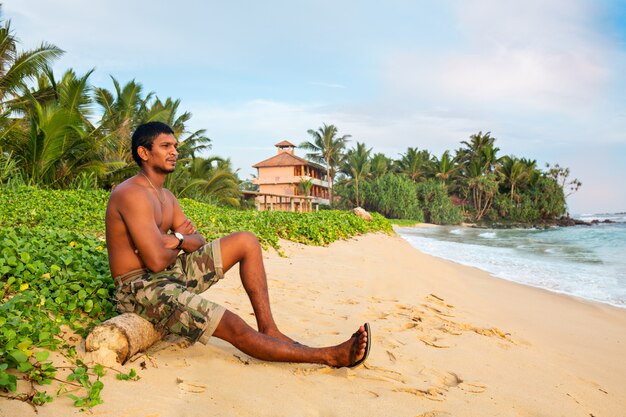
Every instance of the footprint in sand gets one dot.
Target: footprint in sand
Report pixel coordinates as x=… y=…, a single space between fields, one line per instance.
x=434 y=413
x=435 y=342
x=187 y=387
x=432 y=393
x=436 y=384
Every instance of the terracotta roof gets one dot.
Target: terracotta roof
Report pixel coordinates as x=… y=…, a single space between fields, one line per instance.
x=285 y=143
x=285 y=159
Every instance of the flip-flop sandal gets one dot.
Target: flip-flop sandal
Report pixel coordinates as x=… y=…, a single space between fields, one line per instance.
x=355 y=344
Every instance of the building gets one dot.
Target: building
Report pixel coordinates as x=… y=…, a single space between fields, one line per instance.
x=279 y=179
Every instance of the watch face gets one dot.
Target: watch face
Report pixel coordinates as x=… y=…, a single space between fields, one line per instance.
x=180 y=238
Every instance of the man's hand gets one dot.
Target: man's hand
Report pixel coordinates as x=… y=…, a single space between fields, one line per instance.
x=186 y=228
x=192 y=242
x=170 y=241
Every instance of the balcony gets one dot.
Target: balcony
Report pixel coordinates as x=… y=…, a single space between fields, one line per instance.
x=288 y=180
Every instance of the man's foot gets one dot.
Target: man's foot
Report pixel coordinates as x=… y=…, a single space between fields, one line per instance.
x=353 y=351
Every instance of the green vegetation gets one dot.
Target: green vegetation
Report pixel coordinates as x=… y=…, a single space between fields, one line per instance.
x=54 y=273
x=473 y=184
x=327 y=148
x=63 y=132
x=393 y=196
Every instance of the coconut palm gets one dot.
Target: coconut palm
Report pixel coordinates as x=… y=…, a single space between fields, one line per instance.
x=357 y=166
x=380 y=165
x=328 y=150
x=209 y=179
x=8 y=167
x=55 y=142
x=414 y=164
x=121 y=114
x=480 y=148
x=444 y=167
x=52 y=134
x=514 y=173
x=482 y=189
x=17 y=67
x=305 y=186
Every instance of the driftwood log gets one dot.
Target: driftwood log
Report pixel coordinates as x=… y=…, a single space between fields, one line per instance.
x=121 y=336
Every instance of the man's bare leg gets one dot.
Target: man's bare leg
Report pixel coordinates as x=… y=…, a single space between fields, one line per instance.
x=243 y=247
x=261 y=346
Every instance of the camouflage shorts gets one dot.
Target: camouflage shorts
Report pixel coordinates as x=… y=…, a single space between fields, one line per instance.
x=170 y=299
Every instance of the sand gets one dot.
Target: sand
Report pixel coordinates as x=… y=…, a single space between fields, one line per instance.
x=448 y=340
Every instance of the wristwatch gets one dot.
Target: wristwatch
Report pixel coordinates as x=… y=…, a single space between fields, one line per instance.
x=180 y=238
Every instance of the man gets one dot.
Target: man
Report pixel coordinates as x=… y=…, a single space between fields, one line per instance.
x=146 y=230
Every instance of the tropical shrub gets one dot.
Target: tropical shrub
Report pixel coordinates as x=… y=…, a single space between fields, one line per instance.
x=393 y=196
x=436 y=203
x=548 y=197
x=520 y=210
x=543 y=202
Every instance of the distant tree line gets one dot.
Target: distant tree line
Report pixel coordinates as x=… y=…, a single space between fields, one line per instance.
x=63 y=132
x=473 y=183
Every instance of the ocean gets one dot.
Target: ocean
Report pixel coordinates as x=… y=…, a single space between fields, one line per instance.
x=584 y=261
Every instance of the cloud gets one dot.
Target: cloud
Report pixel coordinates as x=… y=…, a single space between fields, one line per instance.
x=247 y=131
x=531 y=54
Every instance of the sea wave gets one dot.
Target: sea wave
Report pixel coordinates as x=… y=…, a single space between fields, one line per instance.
x=587 y=262
x=601 y=217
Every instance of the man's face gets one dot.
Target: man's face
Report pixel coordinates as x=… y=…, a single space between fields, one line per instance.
x=163 y=155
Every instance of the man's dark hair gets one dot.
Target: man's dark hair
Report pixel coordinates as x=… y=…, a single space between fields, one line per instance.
x=144 y=136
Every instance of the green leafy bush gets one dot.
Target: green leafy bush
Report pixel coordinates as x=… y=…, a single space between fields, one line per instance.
x=393 y=196
x=543 y=202
x=436 y=203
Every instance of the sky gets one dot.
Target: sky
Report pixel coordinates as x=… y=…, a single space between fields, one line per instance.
x=547 y=78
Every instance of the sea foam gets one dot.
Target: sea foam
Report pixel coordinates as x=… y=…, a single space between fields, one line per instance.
x=584 y=261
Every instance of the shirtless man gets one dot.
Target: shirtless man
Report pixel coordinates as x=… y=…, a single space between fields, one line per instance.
x=161 y=264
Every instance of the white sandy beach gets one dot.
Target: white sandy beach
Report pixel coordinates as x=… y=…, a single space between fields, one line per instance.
x=448 y=341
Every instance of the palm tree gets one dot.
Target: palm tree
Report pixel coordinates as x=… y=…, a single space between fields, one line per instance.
x=357 y=167
x=17 y=67
x=84 y=149
x=54 y=142
x=305 y=186
x=328 y=150
x=380 y=165
x=477 y=142
x=121 y=114
x=514 y=172
x=8 y=167
x=195 y=142
x=480 y=148
x=481 y=188
x=52 y=133
x=414 y=164
x=444 y=168
x=209 y=179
